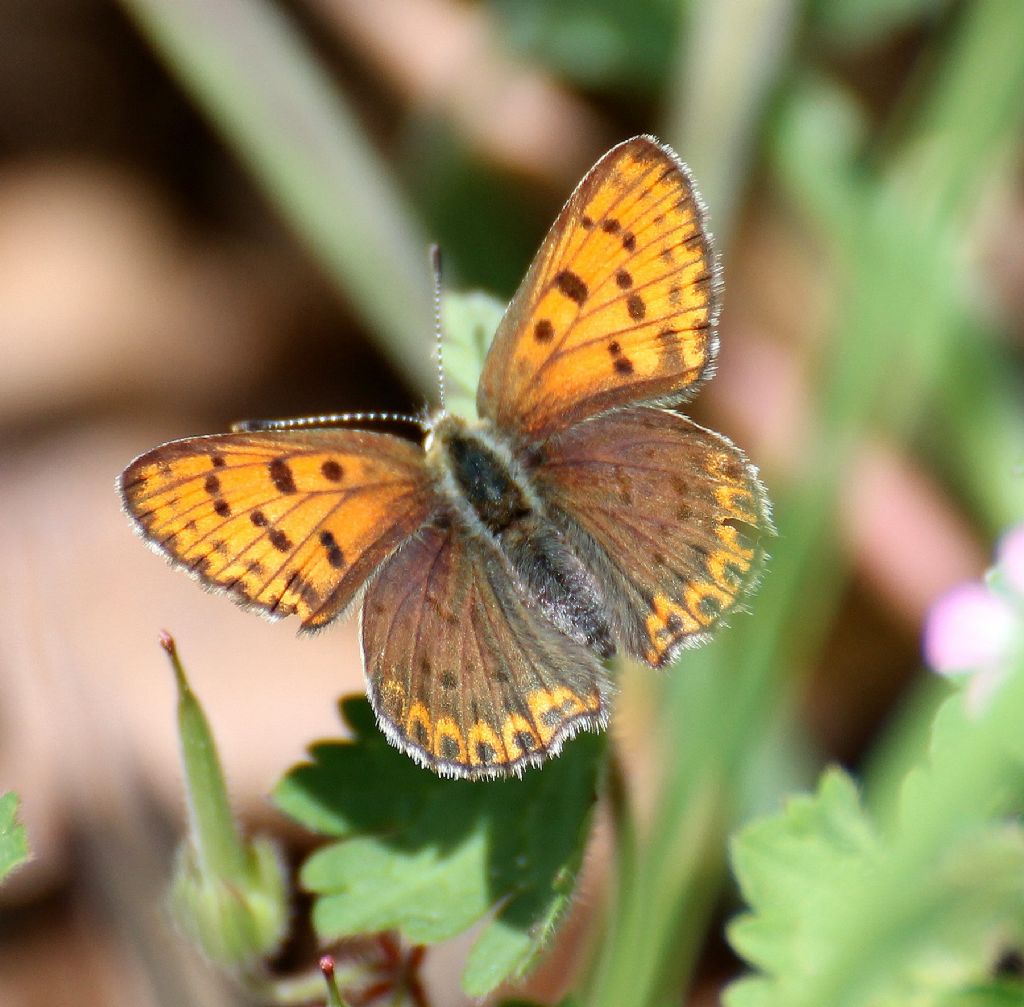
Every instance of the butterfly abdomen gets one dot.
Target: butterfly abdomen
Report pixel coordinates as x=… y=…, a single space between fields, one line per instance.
x=555 y=579
x=550 y=575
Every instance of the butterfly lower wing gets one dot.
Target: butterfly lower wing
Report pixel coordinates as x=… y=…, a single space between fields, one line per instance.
x=620 y=304
x=286 y=522
x=668 y=515
x=462 y=675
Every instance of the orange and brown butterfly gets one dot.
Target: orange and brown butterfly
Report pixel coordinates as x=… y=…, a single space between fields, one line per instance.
x=501 y=562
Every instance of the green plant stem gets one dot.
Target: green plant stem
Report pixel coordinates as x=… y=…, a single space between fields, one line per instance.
x=898 y=261
x=250 y=71
x=623 y=820
x=729 y=61
x=214 y=834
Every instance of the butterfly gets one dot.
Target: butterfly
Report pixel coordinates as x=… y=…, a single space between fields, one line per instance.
x=501 y=562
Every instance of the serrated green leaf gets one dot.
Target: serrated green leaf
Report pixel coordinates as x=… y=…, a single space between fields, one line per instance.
x=469 y=323
x=430 y=857
x=13 y=839
x=907 y=917
x=787 y=866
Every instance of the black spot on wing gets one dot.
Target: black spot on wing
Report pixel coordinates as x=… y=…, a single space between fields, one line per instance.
x=332 y=470
x=569 y=284
x=279 y=540
x=334 y=554
x=281 y=476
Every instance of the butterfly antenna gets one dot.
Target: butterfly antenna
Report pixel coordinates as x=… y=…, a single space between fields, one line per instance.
x=435 y=263
x=344 y=419
x=325 y=420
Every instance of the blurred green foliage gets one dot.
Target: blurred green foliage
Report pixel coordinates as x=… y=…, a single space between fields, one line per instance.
x=13 y=839
x=623 y=50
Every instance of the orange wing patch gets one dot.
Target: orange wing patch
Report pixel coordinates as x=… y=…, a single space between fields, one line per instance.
x=620 y=304
x=289 y=522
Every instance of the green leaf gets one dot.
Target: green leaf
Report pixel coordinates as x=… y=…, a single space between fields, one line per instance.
x=13 y=840
x=906 y=915
x=469 y=323
x=787 y=867
x=430 y=857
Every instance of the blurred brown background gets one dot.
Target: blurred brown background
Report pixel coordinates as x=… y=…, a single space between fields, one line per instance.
x=149 y=289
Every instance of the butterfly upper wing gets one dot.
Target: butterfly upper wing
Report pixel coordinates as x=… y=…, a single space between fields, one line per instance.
x=668 y=515
x=619 y=305
x=462 y=674
x=288 y=522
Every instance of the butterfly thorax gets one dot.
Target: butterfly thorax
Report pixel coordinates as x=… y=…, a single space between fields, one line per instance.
x=491 y=495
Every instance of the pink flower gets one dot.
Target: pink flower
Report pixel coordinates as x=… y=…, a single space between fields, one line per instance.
x=976 y=627
x=969 y=628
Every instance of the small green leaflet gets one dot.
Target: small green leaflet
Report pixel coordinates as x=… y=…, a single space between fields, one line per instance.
x=430 y=857
x=469 y=323
x=787 y=866
x=13 y=840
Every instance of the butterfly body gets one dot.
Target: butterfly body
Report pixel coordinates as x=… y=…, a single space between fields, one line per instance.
x=500 y=562
x=491 y=494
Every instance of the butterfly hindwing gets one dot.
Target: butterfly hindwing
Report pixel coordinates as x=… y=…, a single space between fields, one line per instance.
x=668 y=515
x=288 y=522
x=619 y=305
x=462 y=674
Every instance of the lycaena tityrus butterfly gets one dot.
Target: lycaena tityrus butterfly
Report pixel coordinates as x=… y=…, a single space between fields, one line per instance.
x=506 y=558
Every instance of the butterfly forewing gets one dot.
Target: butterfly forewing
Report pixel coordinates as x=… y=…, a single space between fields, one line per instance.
x=289 y=522
x=462 y=674
x=619 y=305
x=670 y=517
